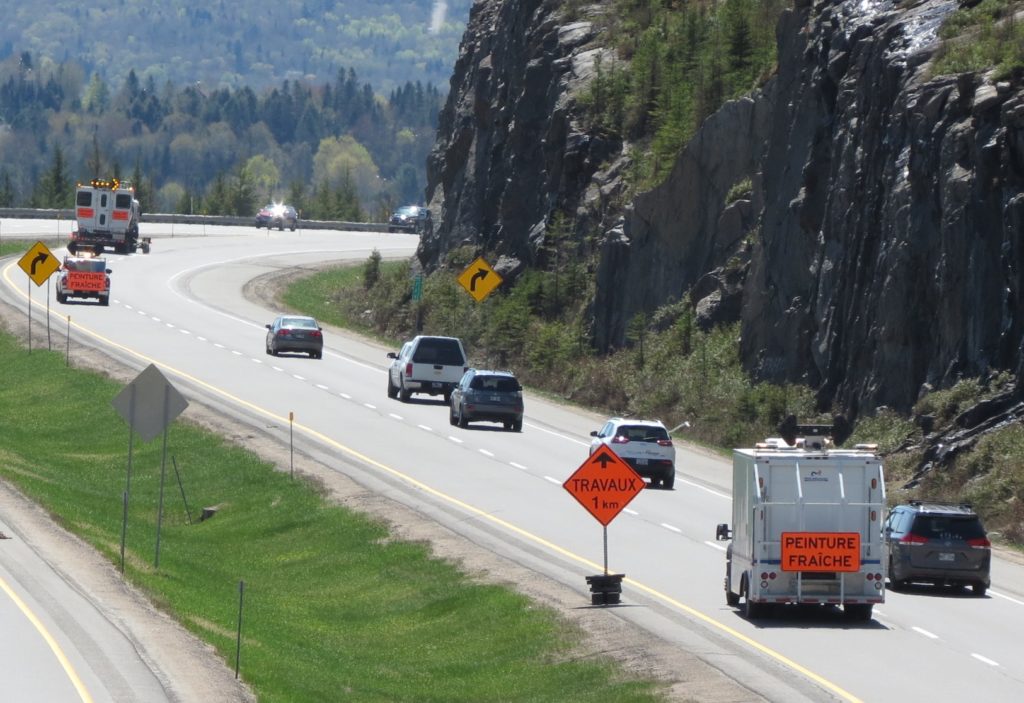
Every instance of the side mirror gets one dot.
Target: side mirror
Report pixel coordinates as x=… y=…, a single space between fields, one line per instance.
x=392 y=355
x=267 y=326
x=109 y=271
x=593 y=433
x=722 y=532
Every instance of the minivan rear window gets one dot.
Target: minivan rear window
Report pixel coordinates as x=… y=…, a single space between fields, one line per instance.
x=949 y=528
x=439 y=351
x=84 y=198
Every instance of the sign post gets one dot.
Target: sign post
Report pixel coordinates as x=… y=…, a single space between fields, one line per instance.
x=38 y=263
x=604 y=484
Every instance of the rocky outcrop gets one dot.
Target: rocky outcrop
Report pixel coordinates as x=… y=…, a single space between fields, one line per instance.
x=880 y=250
x=890 y=253
x=509 y=153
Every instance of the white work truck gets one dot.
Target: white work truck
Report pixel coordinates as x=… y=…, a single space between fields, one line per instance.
x=806 y=525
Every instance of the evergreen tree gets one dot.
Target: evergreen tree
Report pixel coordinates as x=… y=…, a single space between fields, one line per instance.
x=6 y=189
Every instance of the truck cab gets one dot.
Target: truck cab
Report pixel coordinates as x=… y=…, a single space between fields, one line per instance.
x=107 y=214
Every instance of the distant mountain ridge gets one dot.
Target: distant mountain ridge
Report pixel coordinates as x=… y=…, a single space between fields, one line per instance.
x=255 y=43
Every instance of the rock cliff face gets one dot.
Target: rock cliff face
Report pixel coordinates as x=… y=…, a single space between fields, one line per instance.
x=883 y=240
x=509 y=152
x=890 y=253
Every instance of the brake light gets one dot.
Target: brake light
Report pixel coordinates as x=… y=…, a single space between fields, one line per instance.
x=620 y=439
x=664 y=442
x=980 y=543
x=408 y=369
x=911 y=538
x=283 y=332
x=315 y=333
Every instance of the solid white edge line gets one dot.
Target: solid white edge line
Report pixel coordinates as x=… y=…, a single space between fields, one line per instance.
x=703 y=488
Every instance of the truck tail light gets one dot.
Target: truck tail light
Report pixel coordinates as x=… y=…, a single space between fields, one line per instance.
x=408 y=369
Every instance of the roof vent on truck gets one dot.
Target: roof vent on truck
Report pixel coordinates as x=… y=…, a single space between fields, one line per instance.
x=815 y=436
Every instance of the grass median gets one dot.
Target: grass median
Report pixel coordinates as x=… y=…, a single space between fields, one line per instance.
x=335 y=609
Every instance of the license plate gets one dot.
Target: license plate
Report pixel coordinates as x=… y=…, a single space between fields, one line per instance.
x=947 y=556
x=495 y=398
x=641 y=462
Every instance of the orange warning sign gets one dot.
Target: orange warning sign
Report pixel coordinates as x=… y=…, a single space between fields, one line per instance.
x=604 y=484
x=820 y=551
x=87 y=280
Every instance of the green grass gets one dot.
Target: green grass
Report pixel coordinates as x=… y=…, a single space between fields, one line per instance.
x=334 y=607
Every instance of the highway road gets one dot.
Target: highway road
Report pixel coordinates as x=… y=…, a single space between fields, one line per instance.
x=182 y=307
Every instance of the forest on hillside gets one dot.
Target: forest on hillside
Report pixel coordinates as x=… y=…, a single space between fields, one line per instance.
x=254 y=43
x=336 y=150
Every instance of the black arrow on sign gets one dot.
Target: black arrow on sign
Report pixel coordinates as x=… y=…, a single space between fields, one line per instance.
x=481 y=274
x=604 y=459
x=41 y=258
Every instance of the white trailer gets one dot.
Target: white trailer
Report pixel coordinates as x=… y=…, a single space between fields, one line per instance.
x=806 y=527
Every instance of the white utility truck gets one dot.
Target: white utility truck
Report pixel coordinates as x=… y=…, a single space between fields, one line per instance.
x=107 y=216
x=806 y=524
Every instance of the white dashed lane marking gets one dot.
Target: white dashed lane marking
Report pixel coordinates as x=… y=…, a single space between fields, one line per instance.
x=553 y=480
x=672 y=528
x=486 y=453
x=424 y=427
x=922 y=631
x=983 y=659
x=518 y=466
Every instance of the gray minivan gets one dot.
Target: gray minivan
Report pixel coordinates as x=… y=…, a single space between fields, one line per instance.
x=937 y=543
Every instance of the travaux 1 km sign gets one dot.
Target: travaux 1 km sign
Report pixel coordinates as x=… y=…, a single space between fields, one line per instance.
x=604 y=484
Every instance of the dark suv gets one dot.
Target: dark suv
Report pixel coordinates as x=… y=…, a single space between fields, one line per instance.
x=937 y=543
x=487 y=395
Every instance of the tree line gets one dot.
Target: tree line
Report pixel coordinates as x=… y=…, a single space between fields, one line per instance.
x=335 y=150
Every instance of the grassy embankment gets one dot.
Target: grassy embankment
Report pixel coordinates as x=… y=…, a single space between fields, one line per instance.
x=334 y=607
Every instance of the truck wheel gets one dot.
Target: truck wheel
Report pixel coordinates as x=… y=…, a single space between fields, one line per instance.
x=978 y=589
x=105 y=302
x=463 y=421
x=145 y=247
x=61 y=298
x=72 y=248
x=451 y=415
x=404 y=394
x=517 y=426
x=669 y=482
x=392 y=389
x=751 y=611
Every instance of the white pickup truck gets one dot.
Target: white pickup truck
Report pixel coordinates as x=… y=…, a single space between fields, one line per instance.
x=431 y=365
x=806 y=527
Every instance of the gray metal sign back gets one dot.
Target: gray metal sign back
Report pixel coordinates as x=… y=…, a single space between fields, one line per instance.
x=149 y=403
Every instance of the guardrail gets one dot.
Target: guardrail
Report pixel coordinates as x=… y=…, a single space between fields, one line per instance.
x=229 y=220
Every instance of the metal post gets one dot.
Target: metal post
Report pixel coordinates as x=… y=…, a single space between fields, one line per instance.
x=30 y=316
x=238 y=640
x=48 y=345
x=605 y=550
x=163 y=473
x=124 y=526
x=291 y=441
x=67 y=351
x=181 y=486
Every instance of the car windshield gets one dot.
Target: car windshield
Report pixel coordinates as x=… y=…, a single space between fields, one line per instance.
x=495 y=384
x=306 y=323
x=642 y=433
x=409 y=210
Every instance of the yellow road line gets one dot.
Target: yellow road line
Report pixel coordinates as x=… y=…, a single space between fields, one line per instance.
x=54 y=647
x=778 y=656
